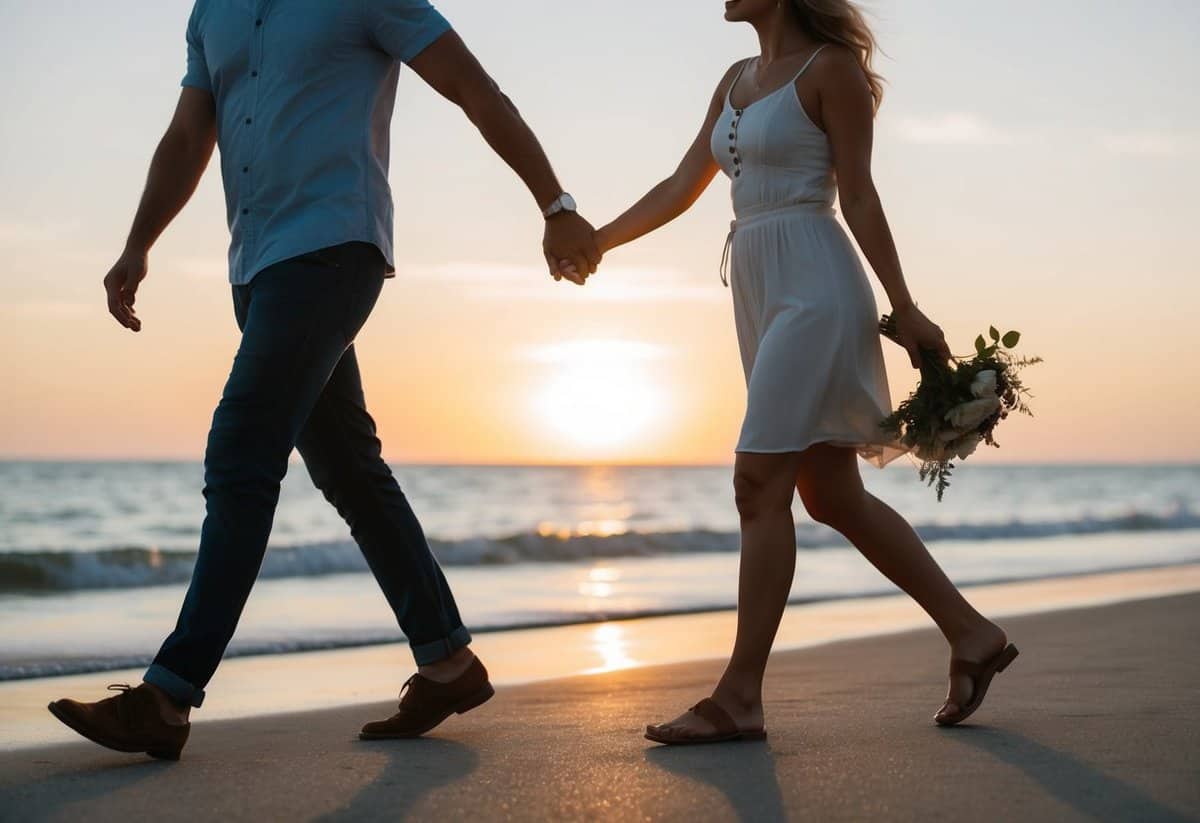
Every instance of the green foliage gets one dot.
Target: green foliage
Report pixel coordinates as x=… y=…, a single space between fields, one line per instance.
x=920 y=422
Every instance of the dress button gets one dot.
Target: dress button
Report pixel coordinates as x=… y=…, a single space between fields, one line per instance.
x=258 y=22
x=245 y=169
x=248 y=121
x=254 y=74
x=245 y=211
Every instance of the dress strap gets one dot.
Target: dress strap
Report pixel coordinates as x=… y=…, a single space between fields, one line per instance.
x=809 y=62
x=736 y=78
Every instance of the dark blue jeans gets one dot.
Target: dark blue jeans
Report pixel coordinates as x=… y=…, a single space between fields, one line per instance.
x=295 y=383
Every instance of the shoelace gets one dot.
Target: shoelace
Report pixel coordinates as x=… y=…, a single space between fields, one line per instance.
x=125 y=689
x=407 y=685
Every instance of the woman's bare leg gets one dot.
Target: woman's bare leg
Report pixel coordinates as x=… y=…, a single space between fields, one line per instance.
x=832 y=491
x=829 y=484
x=764 y=488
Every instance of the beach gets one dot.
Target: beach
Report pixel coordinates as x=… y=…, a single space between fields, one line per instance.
x=1097 y=720
x=293 y=400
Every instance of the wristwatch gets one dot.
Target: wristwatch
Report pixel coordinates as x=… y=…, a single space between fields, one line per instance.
x=564 y=202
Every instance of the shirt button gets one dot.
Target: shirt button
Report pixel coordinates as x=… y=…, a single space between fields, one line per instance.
x=248 y=121
x=254 y=74
x=258 y=22
x=245 y=169
x=245 y=211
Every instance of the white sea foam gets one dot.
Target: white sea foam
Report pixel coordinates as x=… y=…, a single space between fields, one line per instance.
x=135 y=567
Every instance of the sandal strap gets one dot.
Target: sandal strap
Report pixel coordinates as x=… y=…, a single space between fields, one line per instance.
x=968 y=668
x=715 y=715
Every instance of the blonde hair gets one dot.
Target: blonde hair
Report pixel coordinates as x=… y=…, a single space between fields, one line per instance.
x=842 y=22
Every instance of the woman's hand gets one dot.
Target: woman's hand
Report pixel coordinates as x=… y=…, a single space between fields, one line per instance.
x=920 y=334
x=603 y=243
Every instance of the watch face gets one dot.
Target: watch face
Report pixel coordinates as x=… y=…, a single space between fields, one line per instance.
x=568 y=202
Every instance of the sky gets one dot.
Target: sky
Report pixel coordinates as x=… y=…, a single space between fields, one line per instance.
x=1038 y=160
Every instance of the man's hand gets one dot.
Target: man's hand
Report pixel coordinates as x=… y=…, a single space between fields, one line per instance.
x=121 y=284
x=570 y=237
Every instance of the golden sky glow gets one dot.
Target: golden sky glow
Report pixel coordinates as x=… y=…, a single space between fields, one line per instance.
x=1052 y=191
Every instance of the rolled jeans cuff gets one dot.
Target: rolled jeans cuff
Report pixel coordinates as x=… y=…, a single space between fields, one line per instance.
x=175 y=686
x=432 y=652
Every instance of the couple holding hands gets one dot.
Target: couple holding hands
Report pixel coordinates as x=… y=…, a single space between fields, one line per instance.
x=299 y=97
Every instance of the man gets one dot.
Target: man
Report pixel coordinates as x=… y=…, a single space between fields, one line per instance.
x=299 y=96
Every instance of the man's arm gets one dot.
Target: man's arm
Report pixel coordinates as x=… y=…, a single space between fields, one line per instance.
x=180 y=160
x=449 y=67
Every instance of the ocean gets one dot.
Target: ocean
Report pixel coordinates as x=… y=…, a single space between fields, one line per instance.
x=95 y=556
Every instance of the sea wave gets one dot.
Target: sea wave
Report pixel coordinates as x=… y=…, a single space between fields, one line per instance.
x=49 y=571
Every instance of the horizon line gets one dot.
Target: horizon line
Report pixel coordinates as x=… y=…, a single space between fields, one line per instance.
x=621 y=464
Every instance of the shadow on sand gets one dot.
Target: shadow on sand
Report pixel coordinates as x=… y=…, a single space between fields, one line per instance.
x=747 y=780
x=79 y=774
x=413 y=769
x=1082 y=787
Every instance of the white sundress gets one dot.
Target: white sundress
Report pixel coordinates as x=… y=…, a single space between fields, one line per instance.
x=807 y=324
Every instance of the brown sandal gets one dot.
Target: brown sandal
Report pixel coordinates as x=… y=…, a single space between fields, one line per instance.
x=725 y=729
x=981 y=675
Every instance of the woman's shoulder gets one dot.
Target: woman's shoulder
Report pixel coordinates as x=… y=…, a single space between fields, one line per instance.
x=836 y=67
x=734 y=71
x=730 y=77
x=834 y=60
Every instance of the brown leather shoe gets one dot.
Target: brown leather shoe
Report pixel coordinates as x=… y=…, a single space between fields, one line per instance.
x=425 y=703
x=129 y=722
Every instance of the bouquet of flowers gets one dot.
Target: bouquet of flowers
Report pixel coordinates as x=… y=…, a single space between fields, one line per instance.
x=958 y=404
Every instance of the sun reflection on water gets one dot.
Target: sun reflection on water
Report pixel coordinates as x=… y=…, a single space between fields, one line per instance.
x=599 y=582
x=610 y=641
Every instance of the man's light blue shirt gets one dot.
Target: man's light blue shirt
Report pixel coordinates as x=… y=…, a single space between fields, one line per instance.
x=304 y=94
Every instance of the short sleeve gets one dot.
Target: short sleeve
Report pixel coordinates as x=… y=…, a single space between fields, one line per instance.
x=197 y=66
x=403 y=28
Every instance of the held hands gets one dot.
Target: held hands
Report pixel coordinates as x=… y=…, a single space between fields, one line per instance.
x=566 y=267
x=570 y=247
x=918 y=333
x=121 y=285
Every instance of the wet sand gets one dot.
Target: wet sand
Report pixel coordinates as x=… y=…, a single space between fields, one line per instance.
x=1099 y=719
x=274 y=684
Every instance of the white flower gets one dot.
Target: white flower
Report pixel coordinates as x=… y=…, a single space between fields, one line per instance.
x=970 y=414
x=984 y=384
x=965 y=447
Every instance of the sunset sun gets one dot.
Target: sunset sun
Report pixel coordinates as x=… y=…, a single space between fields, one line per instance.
x=599 y=394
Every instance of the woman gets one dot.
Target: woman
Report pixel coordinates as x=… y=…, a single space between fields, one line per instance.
x=792 y=128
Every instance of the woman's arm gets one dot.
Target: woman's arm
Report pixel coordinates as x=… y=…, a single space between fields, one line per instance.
x=675 y=195
x=848 y=116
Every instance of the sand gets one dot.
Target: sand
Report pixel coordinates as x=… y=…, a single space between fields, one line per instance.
x=1099 y=719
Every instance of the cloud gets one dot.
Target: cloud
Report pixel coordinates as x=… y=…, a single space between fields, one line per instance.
x=955 y=129
x=499 y=281
x=55 y=308
x=595 y=351
x=1149 y=143
x=22 y=234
